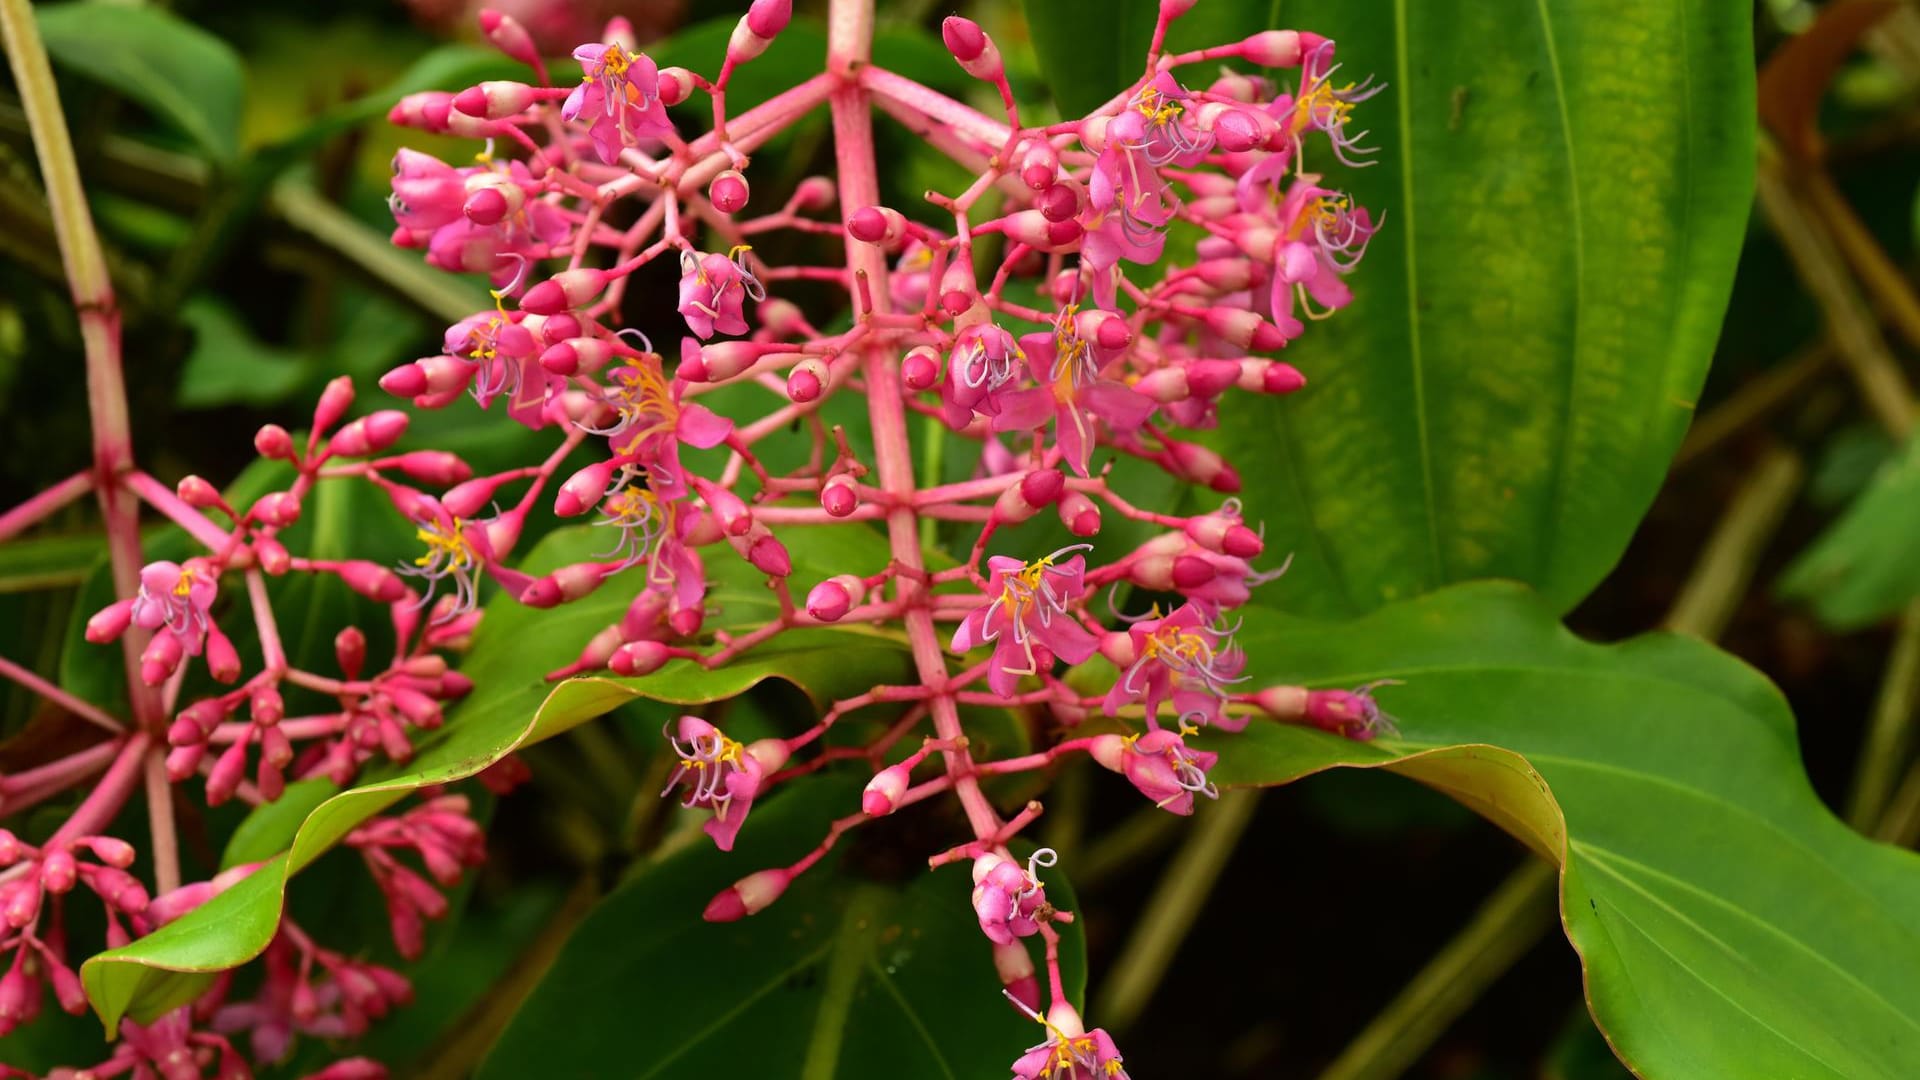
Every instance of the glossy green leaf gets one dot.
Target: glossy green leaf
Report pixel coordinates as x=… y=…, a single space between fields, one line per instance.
x=516 y=707
x=1532 y=325
x=840 y=977
x=159 y=61
x=1862 y=568
x=228 y=365
x=1090 y=50
x=1728 y=924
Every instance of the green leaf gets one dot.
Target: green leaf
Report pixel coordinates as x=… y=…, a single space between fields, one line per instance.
x=228 y=365
x=177 y=71
x=1532 y=325
x=1862 y=568
x=1090 y=50
x=839 y=977
x=1728 y=924
x=515 y=708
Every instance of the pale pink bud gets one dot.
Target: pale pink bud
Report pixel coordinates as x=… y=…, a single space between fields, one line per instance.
x=748 y=896
x=1039 y=164
x=577 y=356
x=639 y=658
x=226 y=774
x=109 y=849
x=489 y=204
x=728 y=192
x=434 y=466
x=1033 y=228
x=494 y=100
x=883 y=792
x=11 y=849
x=20 y=901
x=920 y=368
x=272 y=555
x=182 y=761
x=1079 y=514
x=1282 y=379
x=110 y=622
x=277 y=508
x=1273 y=48
x=565 y=584
x=58 y=871
x=727 y=508
x=807 y=379
x=273 y=443
x=265 y=705
x=197 y=493
x=839 y=496
x=567 y=289
x=769 y=556
x=507 y=35
x=830 y=600
x=583 y=490
x=813 y=193
x=1244 y=329
x=877 y=225
x=1226 y=275
x=1201 y=465
x=768 y=17
x=676 y=85
x=427 y=110
x=373 y=581
x=973 y=48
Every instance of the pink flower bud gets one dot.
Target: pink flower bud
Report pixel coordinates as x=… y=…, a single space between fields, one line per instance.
x=883 y=792
x=1244 y=329
x=1060 y=202
x=639 y=658
x=58 y=871
x=583 y=490
x=839 y=496
x=273 y=443
x=1015 y=966
x=1191 y=572
x=487 y=206
x=877 y=225
x=830 y=600
x=728 y=192
x=567 y=289
x=265 y=705
x=507 y=35
x=109 y=849
x=350 y=649
x=434 y=466
x=277 y=508
x=161 y=658
x=373 y=581
x=1273 y=48
x=197 y=493
x=335 y=400
x=185 y=732
x=565 y=584
x=768 y=17
x=920 y=368
x=1201 y=465
x=20 y=901
x=1282 y=379
x=226 y=774
x=11 y=849
x=426 y=111
x=806 y=381
x=1079 y=514
x=727 y=508
x=576 y=356
x=272 y=555
x=748 y=896
x=110 y=622
x=972 y=47
x=813 y=193
x=676 y=85
x=494 y=100
x=183 y=761
x=1039 y=164
x=769 y=556
x=223 y=660
x=1211 y=378
x=1037 y=230
x=1042 y=487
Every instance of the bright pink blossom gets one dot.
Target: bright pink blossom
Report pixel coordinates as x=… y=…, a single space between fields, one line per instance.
x=618 y=97
x=1027 y=619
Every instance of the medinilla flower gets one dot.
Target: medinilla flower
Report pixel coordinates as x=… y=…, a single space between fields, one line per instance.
x=1072 y=394
x=1009 y=900
x=1156 y=124
x=984 y=361
x=721 y=774
x=1026 y=617
x=1182 y=658
x=505 y=359
x=178 y=598
x=1070 y=1051
x=651 y=422
x=1322 y=106
x=714 y=289
x=1325 y=235
x=1160 y=764
x=619 y=97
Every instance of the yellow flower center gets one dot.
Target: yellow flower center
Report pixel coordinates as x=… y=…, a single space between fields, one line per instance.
x=184 y=586
x=453 y=544
x=1157 y=107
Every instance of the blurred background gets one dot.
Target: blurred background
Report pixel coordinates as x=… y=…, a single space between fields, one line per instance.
x=1392 y=932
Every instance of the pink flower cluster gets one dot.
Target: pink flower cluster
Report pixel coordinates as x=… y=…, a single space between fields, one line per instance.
x=1142 y=265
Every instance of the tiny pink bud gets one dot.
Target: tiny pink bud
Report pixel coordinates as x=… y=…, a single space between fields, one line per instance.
x=373 y=581
x=883 y=792
x=728 y=509
x=1059 y=202
x=265 y=705
x=769 y=556
x=507 y=35
x=830 y=600
x=576 y=356
x=1042 y=487
x=972 y=47
x=487 y=206
x=1273 y=48
x=11 y=849
x=272 y=554
x=434 y=467
x=1079 y=514
x=1191 y=572
x=494 y=100
x=748 y=896
x=920 y=369
x=273 y=442
x=814 y=193
x=639 y=658
x=110 y=622
x=350 y=650
x=277 y=508
x=877 y=225
x=676 y=85
x=223 y=660
x=583 y=490
x=567 y=289
x=1035 y=229
x=1282 y=379
x=1039 y=164
x=110 y=850
x=839 y=496
x=806 y=381
x=197 y=493
x=20 y=902
x=369 y=434
x=335 y=400
x=1244 y=329
x=768 y=17
x=161 y=658
x=183 y=761
x=728 y=192
x=58 y=871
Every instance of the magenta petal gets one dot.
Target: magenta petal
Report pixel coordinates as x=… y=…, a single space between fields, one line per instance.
x=1023 y=410
x=700 y=427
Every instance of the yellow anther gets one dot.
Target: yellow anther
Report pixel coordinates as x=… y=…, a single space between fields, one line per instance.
x=452 y=544
x=615 y=59
x=184 y=586
x=734 y=252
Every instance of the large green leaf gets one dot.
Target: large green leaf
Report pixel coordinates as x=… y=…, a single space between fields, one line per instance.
x=515 y=708
x=840 y=977
x=161 y=62
x=1728 y=924
x=1533 y=323
x=1862 y=568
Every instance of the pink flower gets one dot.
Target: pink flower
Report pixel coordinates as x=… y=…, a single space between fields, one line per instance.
x=504 y=355
x=1161 y=766
x=714 y=289
x=1026 y=618
x=1072 y=394
x=652 y=423
x=619 y=96
x=1070 y=1051
x=1154 y=125
x=1182 y=658
x=483 y=219
x=178 y=598
x=1325 y=237
x=912 y=279
x=985 y=360
x=1321 y=106
x=1010 y=902
x=721 y=775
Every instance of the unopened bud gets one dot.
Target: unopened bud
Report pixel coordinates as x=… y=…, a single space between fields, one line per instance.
x=728 y=192
x=748 y=896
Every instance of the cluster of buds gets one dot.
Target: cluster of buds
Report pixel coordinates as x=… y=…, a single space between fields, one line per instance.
x=1108 y=350
x=1122 y=354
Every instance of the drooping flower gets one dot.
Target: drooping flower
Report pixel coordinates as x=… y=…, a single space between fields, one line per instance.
x=721 y=774
x=505 y=359
x=1325 y=235
x=1026 y=617
x=714 y=289
x=1161 y=765
x=1322 y=106
x=652 y=422
x=1070 y=1051
x=619 y=96
x=178 y=598
x=1071 y=393
x=1182 y=658
x=1010 y=901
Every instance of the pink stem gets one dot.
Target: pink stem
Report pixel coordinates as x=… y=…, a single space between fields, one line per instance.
x=162 y=498
x=85 y=710
x=44 y=505
x=109 y=795
x=166 y=840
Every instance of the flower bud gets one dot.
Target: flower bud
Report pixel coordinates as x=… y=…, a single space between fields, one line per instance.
x=487 y=205
x=223 y=660
x=277 y=508
x=839 y=496
x=676 y=85
x=576 y=356
x=335 y=400
x=830 y=600
x=1244 y=329
x=728 y=509
x=769 y=556
x=57 y=871
x=197 y=493
x=920 y=368
x=583 y=490
x=227 y=772
x=183 y=761
x=273 y=443
x=807 y=380
x=1200 y=465
x=369 y=434
x=1015 y=966
x=1035 y=229
x=728 y=192
x=350 y=650
x=1060 y=202
x=639 y=658
x=373 y=581
x=814 y=193
x=565 y=290
x=266 y=706
x=507 y=35
x=748 y=896
x=161 y=657
x=110 y=622
x=1042 y=487
x=1079 y=514
x=1039 y=164
x=877 y=225
x=1273 y=48
x=494 y=100
x=973 y=48
x=883 y=792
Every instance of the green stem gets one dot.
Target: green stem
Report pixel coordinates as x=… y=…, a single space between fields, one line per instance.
x=1726 y=565
x=1889 y=737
